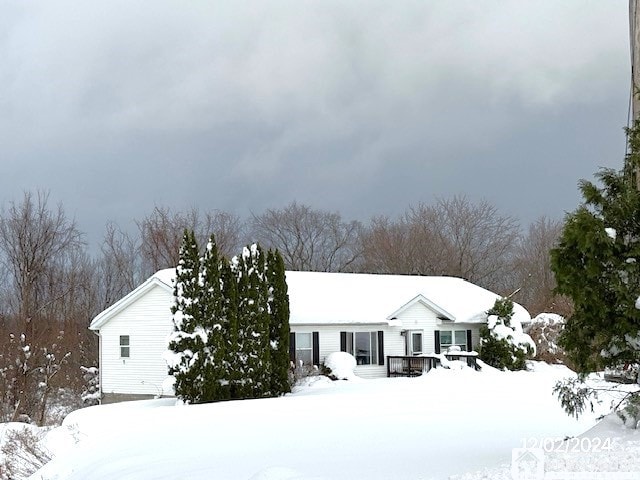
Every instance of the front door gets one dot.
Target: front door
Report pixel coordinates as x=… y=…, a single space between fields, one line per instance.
x=414 y=342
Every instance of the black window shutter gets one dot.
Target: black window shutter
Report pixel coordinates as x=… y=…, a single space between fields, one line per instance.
x=436 y=336
x=380 y=347
x=316 y=348
x=292 y=347
x=343 y=341
x=469 y=346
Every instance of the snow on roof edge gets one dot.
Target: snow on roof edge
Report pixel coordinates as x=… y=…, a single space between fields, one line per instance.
x=161 y=278
x=308 y=307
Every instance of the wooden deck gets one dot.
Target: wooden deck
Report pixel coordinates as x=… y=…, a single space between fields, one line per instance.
x=414 y=366
x=410 y=366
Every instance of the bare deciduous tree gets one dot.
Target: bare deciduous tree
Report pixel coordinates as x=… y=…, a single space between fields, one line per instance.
x=34 y=242
x=452 y=237
x=532 y=264
x=309 y=239
x=387 y=247
x=405 y=246
x=120 y=265
x=479 y=240
x=161 y=233
x=47 y=301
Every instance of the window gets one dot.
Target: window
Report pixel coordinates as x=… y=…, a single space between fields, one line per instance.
x=363 y=346
x=450 y=338
x=124 y=346
x=304 y=348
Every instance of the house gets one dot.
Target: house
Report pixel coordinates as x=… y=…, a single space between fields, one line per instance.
x=369 y=316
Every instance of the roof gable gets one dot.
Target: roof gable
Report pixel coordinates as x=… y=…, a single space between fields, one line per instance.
x=442 y=313
x=160 y=279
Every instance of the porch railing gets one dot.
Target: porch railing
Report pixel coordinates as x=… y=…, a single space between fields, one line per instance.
x=413 y=366
x=410 y=366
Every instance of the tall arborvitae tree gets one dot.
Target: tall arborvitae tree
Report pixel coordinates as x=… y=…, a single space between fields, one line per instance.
x=597 y=265
x=261 y=328
x=253 y=322
x=231 y=325
x=242 y=384
x=279 y=324
x=214 y=324
x=188 y=340
x=229 y=316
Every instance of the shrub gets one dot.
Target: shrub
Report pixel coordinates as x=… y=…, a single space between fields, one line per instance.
x=545 y=330
x=502 y=345
x=23 y=453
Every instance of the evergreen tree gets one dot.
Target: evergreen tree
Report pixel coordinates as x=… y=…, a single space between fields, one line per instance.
x=279 y=324
x=501 y=344
x=188 y=339
x=229 y=316
x=231 y=325
x=213 y=323
x=242 y=383
x=597 y=265
x=253 y=323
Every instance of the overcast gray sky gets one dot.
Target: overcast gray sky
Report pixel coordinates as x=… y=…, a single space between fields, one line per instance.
x=364 y=107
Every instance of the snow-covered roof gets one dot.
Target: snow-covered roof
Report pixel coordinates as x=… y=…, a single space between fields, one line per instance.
x=356 y=298
x=343 y=298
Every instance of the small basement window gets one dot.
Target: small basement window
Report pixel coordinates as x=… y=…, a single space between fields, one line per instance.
x=124 y=346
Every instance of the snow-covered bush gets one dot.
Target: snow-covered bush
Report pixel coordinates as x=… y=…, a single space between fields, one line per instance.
x=91 y=392
x=299 y=372
x=545 y=330
x=340 y=366
x=503 y=344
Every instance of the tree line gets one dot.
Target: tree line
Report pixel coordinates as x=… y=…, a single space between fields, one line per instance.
x=51 y=285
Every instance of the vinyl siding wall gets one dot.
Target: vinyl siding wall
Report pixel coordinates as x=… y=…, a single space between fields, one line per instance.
x=329 y=342
x=416 y=318
x=147 y=321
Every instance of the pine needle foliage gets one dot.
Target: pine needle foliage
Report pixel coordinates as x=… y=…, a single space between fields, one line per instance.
x=231 y=324
x=597 y=265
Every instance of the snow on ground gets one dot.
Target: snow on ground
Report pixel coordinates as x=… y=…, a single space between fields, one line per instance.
x=447 y=422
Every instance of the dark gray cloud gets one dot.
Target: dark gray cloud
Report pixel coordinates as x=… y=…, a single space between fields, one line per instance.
x=362 y=107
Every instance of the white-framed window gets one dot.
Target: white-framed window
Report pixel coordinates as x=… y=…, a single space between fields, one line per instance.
x=304 y=348
x=363 y=346
x=450 y=338
x=124 y=346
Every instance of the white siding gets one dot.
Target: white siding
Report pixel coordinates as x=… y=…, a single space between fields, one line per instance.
x=147 y=321
x=418 y=317
x=329 y=340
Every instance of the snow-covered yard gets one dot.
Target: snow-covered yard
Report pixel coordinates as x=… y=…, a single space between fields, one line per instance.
x=448 y=422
